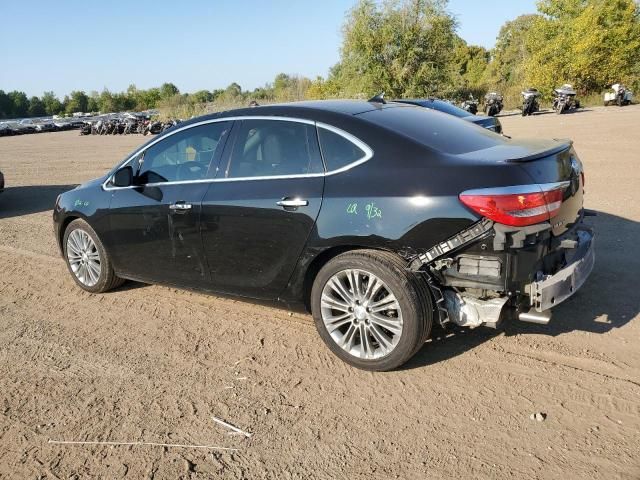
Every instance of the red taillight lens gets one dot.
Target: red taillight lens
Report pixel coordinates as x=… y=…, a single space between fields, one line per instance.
x=532 y=204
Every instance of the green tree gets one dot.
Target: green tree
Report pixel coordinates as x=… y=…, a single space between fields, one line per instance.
x=5 y=104
x=52 y=106
x=589 y=43
x=401 y=47
x=36 y=107
x=78 y=102
x=93 y=104
x=233 y=91
x=510 y=54
x=202 y=96
x=168 y=90
x=148 y=98
x=470 y=63
x=107 y=104
x=19 y=104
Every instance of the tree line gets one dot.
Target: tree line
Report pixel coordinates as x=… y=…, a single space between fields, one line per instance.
x=16 y=104
x=410 y=48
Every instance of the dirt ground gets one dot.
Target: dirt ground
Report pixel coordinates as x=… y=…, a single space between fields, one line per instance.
x=153 y=364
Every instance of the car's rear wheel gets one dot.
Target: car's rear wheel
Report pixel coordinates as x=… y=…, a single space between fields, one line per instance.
x=87 y=259
x=370 y=310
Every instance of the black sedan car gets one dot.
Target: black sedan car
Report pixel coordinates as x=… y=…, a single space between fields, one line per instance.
x=380 y=219
x=490 y=123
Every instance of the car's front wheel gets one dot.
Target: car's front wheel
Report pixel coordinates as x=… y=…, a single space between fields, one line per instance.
x=370 y=310
x=87 y=258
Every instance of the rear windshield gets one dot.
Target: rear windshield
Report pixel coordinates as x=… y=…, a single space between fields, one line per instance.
x=439 y=131
x=445 y=107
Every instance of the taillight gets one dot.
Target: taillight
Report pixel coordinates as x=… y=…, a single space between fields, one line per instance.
x=517 y=206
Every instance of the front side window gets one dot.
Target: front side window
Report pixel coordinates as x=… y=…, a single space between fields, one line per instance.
x=183 y=156
x=265 y=148
x=337 y=151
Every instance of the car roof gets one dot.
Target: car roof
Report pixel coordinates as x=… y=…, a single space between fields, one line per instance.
x=305 y=109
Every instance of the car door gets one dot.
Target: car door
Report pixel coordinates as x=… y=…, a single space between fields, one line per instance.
x=258 y=214
x=155 y=224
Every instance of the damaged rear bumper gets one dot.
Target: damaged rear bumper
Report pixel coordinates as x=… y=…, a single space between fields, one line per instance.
x=556 y=288
x=489 y=269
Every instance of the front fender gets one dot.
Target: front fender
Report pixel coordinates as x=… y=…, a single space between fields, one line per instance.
x=88 y=202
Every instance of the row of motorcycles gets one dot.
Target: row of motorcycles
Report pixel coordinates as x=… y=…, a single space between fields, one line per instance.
x=564 y=99
x=127 y=126
x=493 y=104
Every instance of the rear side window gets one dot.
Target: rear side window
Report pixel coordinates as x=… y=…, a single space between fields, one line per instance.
x=266 y=148
x=440 y=131
x=337 y=151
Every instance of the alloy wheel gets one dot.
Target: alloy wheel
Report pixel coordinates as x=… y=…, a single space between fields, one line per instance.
x=84 y=257
x=361 y=314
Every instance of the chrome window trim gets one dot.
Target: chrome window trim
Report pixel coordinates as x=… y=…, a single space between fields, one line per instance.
x=515 y=189
x=356 y=141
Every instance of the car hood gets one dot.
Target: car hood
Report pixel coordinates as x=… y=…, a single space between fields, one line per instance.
x=92 y=183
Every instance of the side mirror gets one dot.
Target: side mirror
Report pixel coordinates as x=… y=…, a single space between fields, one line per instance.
x=123 y=177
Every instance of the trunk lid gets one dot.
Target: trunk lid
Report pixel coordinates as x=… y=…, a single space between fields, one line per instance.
x=562 y=165
x=547 y=163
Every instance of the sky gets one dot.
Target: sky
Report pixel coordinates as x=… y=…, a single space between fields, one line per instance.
x=195 y=44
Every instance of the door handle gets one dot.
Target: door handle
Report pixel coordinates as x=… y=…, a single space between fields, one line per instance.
x=180 y=207
x=287 y=202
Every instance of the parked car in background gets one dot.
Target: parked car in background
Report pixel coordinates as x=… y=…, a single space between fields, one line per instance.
x=490 y=123
x=45 y=126
x=6 y=129
x=379 y=218
x=26 y=126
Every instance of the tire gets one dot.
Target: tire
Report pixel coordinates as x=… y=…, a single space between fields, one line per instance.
x=413 y=316
x=93 y=252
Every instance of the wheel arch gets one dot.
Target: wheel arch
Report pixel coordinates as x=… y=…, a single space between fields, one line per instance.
x=63 y=228
x=321 y=260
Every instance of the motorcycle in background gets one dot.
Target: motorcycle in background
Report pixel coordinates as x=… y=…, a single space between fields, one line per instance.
x=620 y=96
x=470 y=105
x=530 y=103
x=493 y=104
x=564 y=99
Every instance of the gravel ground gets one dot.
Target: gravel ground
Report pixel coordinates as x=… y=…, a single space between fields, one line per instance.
x=154 y=364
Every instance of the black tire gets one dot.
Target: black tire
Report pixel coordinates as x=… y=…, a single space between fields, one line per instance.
x=107 y=279
x=410 y=290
